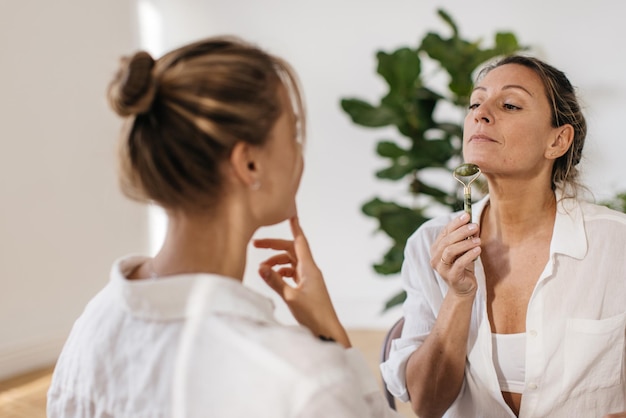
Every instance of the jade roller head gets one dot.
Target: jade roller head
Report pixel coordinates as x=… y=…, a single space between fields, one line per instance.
x=466 y=174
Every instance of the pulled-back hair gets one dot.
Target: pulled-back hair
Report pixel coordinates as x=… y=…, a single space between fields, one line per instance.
x=565 y=110
x=187 y=110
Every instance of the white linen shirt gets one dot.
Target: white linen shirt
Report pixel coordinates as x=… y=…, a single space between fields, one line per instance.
x=575 y=321
x=122 y=357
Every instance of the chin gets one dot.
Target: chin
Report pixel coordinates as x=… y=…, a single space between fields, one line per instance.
x=479 y=160
x=277 y=218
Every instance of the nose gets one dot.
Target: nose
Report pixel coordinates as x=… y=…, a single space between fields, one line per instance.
x=482 y=114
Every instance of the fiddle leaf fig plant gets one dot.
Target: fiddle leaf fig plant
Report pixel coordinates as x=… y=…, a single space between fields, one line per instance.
x=431 y=141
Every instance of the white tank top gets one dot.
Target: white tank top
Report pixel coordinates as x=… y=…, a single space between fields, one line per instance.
x=509 y=358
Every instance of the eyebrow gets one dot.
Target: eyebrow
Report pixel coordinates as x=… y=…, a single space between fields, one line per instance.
x=508 y=86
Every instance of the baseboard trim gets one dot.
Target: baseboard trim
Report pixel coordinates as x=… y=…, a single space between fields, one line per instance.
x=26 y=356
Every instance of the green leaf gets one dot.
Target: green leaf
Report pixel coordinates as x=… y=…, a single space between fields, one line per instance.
x=506 y=43
x=397 y=299
x=416 y=110
x=398 y=169
x=417 y=186
x=392 y=261
x=400 y=224
x=420 y=110
x=432 y=153
x=364 y=114
x=390 y=150
x=448 y=19
x=400 y=69
x=376 y=207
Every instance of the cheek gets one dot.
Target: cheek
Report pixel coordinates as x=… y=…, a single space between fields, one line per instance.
x=299 y=169
x=466 y=128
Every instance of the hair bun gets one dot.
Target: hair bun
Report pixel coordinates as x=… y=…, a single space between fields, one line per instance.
x=133 y=89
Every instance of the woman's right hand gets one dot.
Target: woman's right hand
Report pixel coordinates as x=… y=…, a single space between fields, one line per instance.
x=453 y=255
x=308 y=298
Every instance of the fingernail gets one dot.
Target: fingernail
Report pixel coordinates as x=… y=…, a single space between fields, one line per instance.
x=265 y=272
x=471 y=227
x=464 y=217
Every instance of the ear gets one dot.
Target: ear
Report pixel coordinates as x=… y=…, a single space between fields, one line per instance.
x=564 y=135
x=243 y=160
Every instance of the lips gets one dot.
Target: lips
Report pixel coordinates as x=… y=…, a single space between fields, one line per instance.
x=481 y=138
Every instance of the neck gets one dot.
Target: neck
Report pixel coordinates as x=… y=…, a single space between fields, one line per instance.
x=518 y=211
x=205 y=243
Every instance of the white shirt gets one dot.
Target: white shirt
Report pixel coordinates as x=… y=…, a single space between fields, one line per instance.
x=125 y=352
x=575 y=321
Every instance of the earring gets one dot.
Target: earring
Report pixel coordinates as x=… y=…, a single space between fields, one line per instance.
x=256 y=185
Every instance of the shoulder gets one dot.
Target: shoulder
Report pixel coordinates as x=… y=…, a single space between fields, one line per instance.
x=298 y=350
x=274 y=364
x=605 y=228
x=596 y=212
x=583 y=227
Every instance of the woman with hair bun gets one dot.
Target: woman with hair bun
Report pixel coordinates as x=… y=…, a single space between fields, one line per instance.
x=213 y=134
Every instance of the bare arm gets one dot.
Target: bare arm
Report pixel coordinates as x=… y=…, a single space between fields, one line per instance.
x=434 y=373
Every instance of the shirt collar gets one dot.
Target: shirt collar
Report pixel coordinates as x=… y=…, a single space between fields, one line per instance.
x=569 y=236
x=167 y=298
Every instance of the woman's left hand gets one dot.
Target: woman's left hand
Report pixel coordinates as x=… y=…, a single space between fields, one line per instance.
x=307 y=299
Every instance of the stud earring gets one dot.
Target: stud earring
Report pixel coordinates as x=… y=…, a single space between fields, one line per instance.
x=256 y=185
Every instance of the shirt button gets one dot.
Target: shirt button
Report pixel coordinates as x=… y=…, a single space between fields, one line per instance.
x=532 y=386
x=532 y=333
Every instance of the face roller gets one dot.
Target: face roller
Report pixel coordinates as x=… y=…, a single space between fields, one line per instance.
x=466 y=174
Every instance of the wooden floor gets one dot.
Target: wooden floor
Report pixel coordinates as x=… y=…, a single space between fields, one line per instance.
x=25 y=396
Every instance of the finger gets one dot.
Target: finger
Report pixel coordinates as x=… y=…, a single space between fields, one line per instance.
x=448 y=256
x=273 y=243
x=279 y=259
x=453 y=252
x=301 y=244
x=466 y=260
x=287 y=272
x=273 y=279
x=453 y=232
x=455 y=223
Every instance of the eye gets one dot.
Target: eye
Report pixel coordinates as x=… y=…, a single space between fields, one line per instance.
x=473 y=106
x=509 y=106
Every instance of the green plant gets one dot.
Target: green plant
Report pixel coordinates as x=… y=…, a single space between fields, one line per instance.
x=429 y=144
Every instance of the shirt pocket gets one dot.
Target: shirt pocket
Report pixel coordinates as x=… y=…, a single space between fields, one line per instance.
x=594 y=353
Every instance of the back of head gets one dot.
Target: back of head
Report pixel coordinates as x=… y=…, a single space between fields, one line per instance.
x=566 y=109
x=186 y=111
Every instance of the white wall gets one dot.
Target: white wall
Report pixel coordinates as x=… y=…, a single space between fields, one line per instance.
x=62 y=219
x=332 y=44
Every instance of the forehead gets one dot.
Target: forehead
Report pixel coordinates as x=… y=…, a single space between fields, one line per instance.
x=511 y=76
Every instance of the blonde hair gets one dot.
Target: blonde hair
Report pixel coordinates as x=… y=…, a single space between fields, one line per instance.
x=187 y=110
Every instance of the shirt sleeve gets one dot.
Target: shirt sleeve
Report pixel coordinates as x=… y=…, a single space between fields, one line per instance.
x=425 y=292
x=357 y=396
